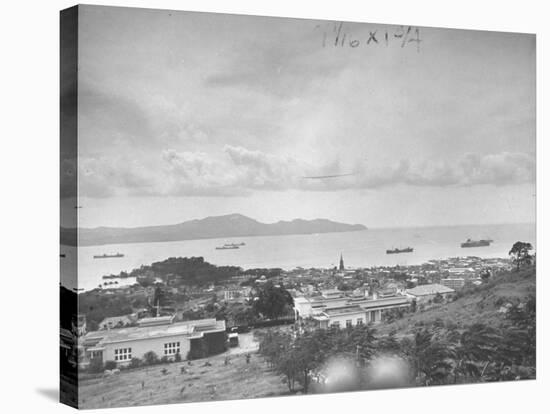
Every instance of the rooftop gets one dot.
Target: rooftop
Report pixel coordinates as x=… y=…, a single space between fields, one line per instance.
x=156 y=320
x=188 y=328
x=432 y=289
x=343 y=310
x=366 y=303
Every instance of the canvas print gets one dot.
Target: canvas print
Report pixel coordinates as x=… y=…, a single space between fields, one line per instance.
x=266 y=206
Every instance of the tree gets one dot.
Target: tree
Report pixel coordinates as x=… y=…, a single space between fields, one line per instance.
x=476 y=346
x=520 y=254
x=485 y=275
x=413 y=306
x=388 y=344
x=288 y=366
x=272 y=301
x=309 y=355
x=429 y=355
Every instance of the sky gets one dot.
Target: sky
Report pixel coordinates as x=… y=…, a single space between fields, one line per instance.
x=186 y=115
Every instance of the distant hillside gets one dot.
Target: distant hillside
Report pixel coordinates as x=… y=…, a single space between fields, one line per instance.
x=232 y=225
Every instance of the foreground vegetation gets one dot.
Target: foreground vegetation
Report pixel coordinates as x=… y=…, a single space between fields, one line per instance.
x=428 y=351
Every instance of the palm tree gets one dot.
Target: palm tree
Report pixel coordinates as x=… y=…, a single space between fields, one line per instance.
x=429 y=355
x=475 y=349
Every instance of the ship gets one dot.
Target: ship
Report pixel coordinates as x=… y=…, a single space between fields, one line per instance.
x=476 y=243
x=227 y=247
x=234 y=244
x=396 y=250
x=108 y=256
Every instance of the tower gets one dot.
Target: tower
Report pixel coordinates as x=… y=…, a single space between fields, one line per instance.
x=341 y=262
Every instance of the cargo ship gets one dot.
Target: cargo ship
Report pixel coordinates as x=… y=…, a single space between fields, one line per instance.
x=396 y=251
x=234 y=244
x=108 y=256
x=227 y=247
x=476 y=243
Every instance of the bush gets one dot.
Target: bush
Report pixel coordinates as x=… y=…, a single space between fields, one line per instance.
x=110 y=365
x=164 y=360
x=150 y=358
x=135 y=363
x=96 y=366
x=177 y=358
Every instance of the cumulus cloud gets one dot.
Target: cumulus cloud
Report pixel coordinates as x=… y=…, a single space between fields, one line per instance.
x=238 y=171
x=197 y=174
x=471 y=169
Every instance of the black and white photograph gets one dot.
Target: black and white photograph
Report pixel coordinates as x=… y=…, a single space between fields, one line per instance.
x=262 y=207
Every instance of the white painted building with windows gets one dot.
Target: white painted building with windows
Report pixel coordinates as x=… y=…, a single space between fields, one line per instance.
x=341 y=311
x=160 y=335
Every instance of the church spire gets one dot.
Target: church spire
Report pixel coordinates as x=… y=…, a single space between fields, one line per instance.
x=341 y=262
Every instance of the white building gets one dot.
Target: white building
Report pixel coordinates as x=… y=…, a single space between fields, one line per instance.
x=341 y=317
x=342 y=311
x=237 y=294
x=160 y=335
x=454 y=283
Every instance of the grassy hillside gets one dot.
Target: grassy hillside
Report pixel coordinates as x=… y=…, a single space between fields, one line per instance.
x=479 y=304
x=149 y=385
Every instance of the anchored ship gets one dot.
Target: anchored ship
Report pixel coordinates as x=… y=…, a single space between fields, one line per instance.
x=476 y=243
x=108 y=256
x=396 y=250
x=227 y=247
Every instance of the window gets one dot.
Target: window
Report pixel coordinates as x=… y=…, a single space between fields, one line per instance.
x=335 y=324
x=348 y=323
x=373 y=316
x=359 y=321
x=123 y=354
x=171 y=348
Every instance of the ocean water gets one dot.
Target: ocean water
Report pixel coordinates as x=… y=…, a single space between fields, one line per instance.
x=359 y=249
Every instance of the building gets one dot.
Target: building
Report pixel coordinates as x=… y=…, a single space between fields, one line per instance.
x=237 y=294
x=163 y=336
x=341 y=268
x=335 y=309
x=424 y=293
x=340 y=317
x=454 y=283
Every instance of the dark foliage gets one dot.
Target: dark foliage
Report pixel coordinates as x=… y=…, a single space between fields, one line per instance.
x=110 y=365
x=272 y=301
x=521 y=255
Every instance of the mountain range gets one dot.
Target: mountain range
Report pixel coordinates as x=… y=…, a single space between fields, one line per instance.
x=231 y=225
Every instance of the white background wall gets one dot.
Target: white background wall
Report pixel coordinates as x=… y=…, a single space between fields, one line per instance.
x=30 y=206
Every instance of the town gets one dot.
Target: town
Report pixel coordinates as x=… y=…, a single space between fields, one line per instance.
x=172 y=317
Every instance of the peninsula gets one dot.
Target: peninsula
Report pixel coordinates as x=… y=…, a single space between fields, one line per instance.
x=231 y=225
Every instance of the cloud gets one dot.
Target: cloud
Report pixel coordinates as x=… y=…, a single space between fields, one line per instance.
x=470 y=169
x=106 y=177
x=238 y=171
